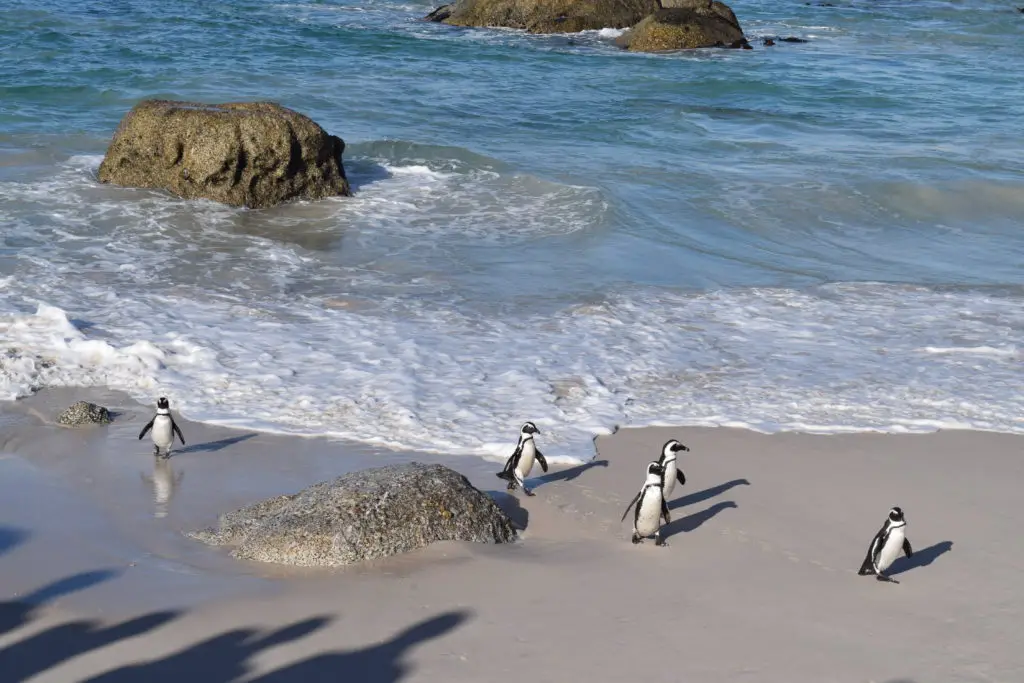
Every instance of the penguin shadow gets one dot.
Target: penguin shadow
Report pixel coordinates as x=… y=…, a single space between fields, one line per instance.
x=696 y=520
x=512 y=507
x=211 y=446
x=700 y=496
x=567 y=474
x=921 y=558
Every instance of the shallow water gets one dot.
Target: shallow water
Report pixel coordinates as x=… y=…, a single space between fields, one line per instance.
x=821 y=236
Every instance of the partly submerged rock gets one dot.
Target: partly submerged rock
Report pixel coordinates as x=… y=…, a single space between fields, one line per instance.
x=545 y=16
x=685 y=24
x=254 y=154
x=363 y=515
x=83 y=413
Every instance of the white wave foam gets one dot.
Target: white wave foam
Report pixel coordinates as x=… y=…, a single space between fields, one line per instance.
x=1010 y=351
x=611 y=32
x=441 y=381
x=151 y=295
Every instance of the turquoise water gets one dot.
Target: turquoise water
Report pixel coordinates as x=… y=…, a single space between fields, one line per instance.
x=822 y=236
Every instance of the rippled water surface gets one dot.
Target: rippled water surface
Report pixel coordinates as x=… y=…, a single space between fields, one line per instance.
x=823 y=236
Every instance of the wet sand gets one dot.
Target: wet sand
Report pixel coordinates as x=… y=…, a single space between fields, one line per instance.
x=758 y=582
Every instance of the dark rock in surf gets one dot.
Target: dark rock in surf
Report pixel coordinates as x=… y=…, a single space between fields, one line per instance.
x=768 y=42
x=683 y=25
x=253 y=154
x=440 y=14
x=84 y=413
x=364 y=515
x=545 y=16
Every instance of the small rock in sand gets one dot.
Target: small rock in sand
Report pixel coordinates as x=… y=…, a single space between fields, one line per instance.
x=83 y=413
x=360 y=516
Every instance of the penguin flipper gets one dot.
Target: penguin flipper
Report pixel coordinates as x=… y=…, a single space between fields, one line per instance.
x=145 y=429
x=630 y=506
x=511 y=463
x=541 y=460
x=680 y=476
x=868 y=567
x=174 y=426
x=665 y=512
x=906 y=547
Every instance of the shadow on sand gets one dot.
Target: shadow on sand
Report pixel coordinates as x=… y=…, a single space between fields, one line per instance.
x=694 y=521
x=11 y=537
x=700 y=496
x=211 y=446
x=14 y=614
x=921 y=558
x=567 y=474
x=220 y=659
x=512 y=507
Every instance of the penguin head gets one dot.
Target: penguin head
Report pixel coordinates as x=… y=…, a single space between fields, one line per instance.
x=669 y=450
x=896 y=515
x=655 y=472
x=163 y=404
x=529 y=428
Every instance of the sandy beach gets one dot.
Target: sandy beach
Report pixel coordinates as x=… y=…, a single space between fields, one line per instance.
x=758 y=582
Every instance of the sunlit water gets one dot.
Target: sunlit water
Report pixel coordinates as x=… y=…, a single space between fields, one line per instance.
x=823 y=236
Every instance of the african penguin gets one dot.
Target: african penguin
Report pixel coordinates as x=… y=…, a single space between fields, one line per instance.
x=886 y=546
x=518 y=466
x=163 y=427
x=650 y=507
x=672 y=471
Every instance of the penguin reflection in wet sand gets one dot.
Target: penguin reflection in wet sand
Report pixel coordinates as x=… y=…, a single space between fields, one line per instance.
x=650 y=507
x=164 y=429
x=886 y=546
x=519 y=464
x=672 y=471
x=164 y=482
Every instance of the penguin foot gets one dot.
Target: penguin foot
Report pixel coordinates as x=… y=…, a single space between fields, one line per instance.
x=658 y=540
x=528 y=492
x=635 y=539
x=885 y=579
x=511 y=486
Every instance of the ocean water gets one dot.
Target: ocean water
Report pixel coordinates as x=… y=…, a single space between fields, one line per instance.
x=824 y=237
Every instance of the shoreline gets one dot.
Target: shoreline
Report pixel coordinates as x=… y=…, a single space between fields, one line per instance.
x=758 y=581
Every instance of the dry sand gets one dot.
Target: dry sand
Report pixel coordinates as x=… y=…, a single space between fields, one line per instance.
x=758 y=582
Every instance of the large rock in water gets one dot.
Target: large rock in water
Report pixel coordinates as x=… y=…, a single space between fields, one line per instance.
x=545 y=16
x=254 y=154
x=685 y=24
x=364 y=515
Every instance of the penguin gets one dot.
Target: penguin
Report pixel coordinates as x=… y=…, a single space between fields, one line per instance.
x=518 y=466
x=672 y=471
x=886 y=546
x=650 y=507
x=164 y=482
x=163 y=427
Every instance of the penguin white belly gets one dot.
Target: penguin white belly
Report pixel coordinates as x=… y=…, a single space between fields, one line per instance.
x=162 y=436
x=891 y=549
x=670 y=478
x=649 y=519
x=526 y=459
